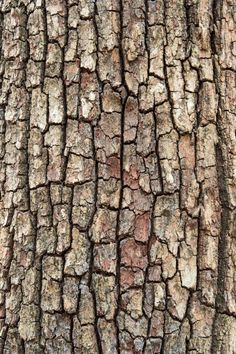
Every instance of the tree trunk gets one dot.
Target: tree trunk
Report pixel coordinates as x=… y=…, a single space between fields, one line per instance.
x=117 y=177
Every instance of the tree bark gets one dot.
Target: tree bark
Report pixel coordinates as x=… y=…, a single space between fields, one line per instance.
x=117 y=177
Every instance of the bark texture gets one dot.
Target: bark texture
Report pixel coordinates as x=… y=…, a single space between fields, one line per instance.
x=117 y=177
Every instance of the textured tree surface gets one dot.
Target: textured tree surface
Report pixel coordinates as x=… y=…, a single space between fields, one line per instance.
x=117 y=177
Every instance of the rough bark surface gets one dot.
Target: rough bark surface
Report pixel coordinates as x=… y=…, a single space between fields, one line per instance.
x=117 y=176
